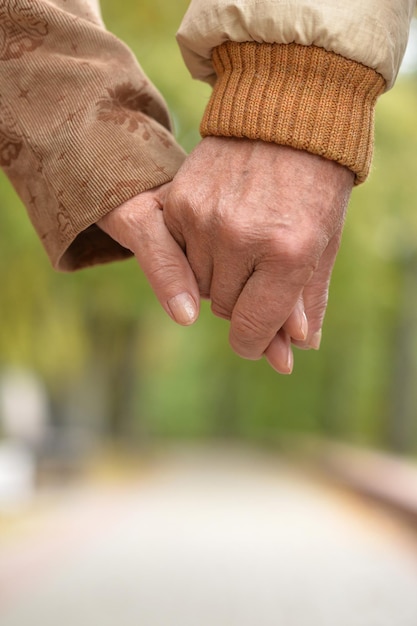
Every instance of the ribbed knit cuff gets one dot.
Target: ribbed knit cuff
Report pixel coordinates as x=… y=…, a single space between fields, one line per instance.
x=300 y=96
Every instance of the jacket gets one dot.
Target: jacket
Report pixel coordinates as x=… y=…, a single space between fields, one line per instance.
x=82 y=129
x=304 y=73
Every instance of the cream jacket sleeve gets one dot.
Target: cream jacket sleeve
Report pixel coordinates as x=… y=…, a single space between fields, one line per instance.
x=81 y=128
x=305 y=73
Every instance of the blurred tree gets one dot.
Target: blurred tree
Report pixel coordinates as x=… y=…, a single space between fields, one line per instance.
x=149 y=28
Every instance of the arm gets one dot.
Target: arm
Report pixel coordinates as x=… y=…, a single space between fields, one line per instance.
x=82 y=128
x=313 y=69
x=303 y=76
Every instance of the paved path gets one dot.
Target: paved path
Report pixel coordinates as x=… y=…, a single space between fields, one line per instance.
x=205 y=538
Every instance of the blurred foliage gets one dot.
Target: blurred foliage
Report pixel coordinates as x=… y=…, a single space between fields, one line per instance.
x=114 y=362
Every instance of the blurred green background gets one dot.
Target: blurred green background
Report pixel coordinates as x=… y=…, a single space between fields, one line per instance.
x=113 y=363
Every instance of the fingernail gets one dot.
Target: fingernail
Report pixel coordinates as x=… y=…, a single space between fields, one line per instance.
x=315 y=340
x=290 y=361
x=304 y=326
x=183 y=309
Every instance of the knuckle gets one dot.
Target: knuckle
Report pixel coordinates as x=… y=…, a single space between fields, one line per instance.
x=220 y=310
x=295 y=252
x=247 y=335
x=163 y=275
x=163 y=269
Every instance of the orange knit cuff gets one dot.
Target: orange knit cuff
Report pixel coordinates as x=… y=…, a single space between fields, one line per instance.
x=300 y=96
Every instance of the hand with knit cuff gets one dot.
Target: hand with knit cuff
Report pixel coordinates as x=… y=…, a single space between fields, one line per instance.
x=261 y=225
x=138 y=225
x=299 y=96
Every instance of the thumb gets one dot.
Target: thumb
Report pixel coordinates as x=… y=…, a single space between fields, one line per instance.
x=169 y=273
x=138 y=225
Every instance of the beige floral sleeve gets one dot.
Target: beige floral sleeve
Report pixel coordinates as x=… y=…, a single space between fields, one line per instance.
x=81 y=127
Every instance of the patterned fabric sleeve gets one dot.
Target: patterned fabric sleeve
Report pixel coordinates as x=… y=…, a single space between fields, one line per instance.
x=81 y=127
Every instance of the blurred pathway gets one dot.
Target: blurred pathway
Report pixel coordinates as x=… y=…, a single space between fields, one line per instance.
x=211 y=538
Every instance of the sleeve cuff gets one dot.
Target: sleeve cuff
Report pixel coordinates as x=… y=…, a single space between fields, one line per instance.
x=82 y=129
x=301 y=96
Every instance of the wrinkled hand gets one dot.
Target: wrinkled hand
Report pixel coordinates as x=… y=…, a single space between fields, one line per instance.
x=139 y=226
x=261 y=225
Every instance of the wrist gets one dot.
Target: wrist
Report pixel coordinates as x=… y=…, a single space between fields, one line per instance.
x=300 y=96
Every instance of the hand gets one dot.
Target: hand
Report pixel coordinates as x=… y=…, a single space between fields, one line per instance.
x=138 y=225
x=261 y=225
